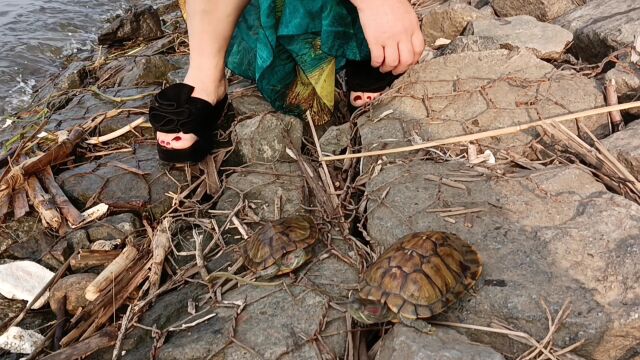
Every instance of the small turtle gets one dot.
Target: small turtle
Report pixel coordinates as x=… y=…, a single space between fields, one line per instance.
x=416 y=278
x=280 y=246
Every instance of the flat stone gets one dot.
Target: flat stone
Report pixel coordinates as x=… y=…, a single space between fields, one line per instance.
x=627 y=79
x=406 y=343
x=261 y=185
x=114 y=227
x=265 y=137
x=139 y=22
x=25 y=238
x=336 y=138
x=135 y=71
x=448 y=20
x=73 y=77
x=625 y=146
x=479 y=91
x=543 y=10
x=601 y=27
x=554 y=235
x=470 y=43
x=105 y=180
x=547 y=41
x=249 y=103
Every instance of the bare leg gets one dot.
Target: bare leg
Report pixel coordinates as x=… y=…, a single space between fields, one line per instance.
x=210 y=24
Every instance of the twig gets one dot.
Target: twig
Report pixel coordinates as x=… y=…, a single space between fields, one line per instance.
x=66 y=208
x=225 y=275
x=123 y=130
x=484 y=134
x=119 y=99
x=461 y=212
x=611 y=97
x=107 y=275
x=43 y=203
x=160 y=245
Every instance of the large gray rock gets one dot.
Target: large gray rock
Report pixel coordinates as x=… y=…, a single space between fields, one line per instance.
x=479 y=91
x=625 y=146
x=470 y=43
x=336 y=138
x=410 y=344
x=140 y=22
x=135 y=71
x=264 y=186
x=547 y=41
x=448 y=20
x=552 y=235
x=543 y=10
x=265 y=137
x=602 y=26
x=110 y=180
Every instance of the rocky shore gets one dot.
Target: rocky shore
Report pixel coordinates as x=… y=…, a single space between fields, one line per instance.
x=559 y=235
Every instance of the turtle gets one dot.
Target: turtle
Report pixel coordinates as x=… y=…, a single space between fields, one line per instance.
x=416 y=278
x=280 y=246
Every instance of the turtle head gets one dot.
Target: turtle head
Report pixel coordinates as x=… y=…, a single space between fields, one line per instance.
x=368 y=311
x=293 y=260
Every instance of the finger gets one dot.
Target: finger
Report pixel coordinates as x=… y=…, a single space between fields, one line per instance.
x=377 y=55
x=405 y=49
x=391 y=58
x=417 y=40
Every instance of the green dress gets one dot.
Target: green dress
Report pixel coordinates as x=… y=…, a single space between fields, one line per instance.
x=292 y=50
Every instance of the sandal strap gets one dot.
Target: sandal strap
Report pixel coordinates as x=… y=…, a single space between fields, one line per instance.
x=361 y=76
x=174 y=110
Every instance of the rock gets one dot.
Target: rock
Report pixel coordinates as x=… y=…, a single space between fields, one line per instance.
x=25 y=238
x=554 y=235
x=479 y=91
x=625 y=146
x=470 y=43
x=23 y=280
x=181 y=65
x=543 y=10
x=601 y=27
x=448 y=20
x=113 y=227
x=140 y=22
x=250 y=104
x=21 y=341
x=107 y=181
x=69 y=291
x=547 y=41
x=627 y=78
x=260 y=185
x=265 y=137
x=135 y=71
x=406 y=343
x=78 y=239
x=336 y=138
x=73 y=77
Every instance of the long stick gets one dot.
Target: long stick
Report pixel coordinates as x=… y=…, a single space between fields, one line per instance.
x=66 y=208
x=484 y=134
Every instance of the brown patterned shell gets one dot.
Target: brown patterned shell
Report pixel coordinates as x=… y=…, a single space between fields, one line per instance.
x=422 y=274
x=277 y=238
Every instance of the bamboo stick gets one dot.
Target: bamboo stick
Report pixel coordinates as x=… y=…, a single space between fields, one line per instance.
x=43 y=203
x=111 y=272
x=125 y=129
x=484 y=134
x=66 y=208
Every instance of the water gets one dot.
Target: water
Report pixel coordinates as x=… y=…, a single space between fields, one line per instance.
x=36 y=35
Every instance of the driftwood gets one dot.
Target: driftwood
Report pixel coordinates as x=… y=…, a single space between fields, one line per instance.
x=16 y=177
x=160 y=245
x=87 y=259
x=20 y=201
x=108 y=275
x=612 y=99
x=43 y=203
x=103 y=338
x=69 y=212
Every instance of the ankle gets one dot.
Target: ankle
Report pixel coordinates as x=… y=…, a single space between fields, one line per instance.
x=211 y=90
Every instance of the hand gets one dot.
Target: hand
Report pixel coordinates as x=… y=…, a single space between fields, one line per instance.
x=393 y=33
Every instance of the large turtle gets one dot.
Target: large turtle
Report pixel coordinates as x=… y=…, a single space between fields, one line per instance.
x=417 y=277
x=280 y=246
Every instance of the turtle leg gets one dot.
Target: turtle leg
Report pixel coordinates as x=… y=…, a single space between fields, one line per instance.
x=418 y=324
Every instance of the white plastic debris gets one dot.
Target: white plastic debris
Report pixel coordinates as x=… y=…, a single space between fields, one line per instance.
x=440 y=42
x=20 y=341
x=23 y=280
x=7 y=123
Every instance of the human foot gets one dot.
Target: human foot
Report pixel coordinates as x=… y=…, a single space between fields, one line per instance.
x=365 y=82
x=212 y=92
x=184 y=123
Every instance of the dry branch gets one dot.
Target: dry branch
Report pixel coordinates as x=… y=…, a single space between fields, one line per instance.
x=108 y=275
x=612 y=99
x=160 y=245
x=103 y=338
x=484 y=134
x=43 y=203
x=20 y=203
x=16 y=177
x=87 y=259
x=73 y=216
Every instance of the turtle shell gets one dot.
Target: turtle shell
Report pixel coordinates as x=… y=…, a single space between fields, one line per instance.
x=277 y=238
x=422 y=274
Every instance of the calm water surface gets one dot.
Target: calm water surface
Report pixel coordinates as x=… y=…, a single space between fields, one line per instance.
x=36 y=36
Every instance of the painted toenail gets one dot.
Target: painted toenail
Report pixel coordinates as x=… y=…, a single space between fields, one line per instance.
x=357 y=98
x=176 y=138
x=369 y=98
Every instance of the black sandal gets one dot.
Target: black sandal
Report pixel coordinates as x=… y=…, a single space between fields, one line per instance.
x=174 y=110
x=362 y=77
